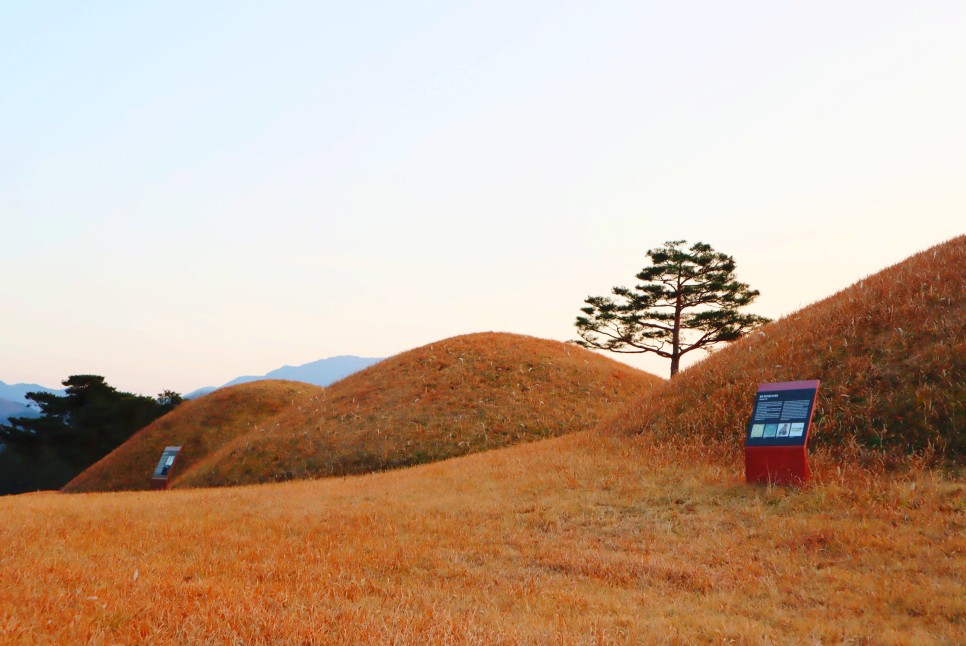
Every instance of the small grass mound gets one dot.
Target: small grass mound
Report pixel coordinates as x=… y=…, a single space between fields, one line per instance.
x=890 y=351
x=461 y=395
x=200 y=426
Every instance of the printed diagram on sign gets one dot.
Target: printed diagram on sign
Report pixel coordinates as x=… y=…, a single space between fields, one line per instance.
x=163 y=470
x=780 y=417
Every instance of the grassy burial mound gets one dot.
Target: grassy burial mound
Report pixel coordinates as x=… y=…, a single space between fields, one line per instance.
x=200 y=426
x=461 y=395
x=890 y=351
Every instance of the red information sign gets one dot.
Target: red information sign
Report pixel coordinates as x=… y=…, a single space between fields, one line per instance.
x=777 y=435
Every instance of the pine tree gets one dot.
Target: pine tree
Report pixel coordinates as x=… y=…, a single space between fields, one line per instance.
x=688 y=299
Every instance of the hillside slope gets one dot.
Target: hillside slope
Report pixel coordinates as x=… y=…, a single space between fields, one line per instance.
x=457 y=396
x=199 y=426
x=890 y=351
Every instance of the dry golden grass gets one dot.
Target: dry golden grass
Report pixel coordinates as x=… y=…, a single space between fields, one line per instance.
x=890 y=351
x=199 y=426
x=597 y=537
x=458 y=396
x=580 y=539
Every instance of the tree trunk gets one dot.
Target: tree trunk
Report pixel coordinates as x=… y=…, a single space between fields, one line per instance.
x=676 y=333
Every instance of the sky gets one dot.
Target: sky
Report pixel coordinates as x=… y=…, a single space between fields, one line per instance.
x=192 y=191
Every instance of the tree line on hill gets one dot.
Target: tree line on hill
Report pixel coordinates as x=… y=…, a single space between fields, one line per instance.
x=72 y=432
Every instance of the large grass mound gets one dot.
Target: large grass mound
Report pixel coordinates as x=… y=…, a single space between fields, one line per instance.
x=199 y=426
x=890 y=351
x=457 y=396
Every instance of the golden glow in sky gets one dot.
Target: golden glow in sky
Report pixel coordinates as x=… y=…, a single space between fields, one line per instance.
x=194 y=191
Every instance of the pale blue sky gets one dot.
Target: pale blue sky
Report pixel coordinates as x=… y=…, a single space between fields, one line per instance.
x=190 y=191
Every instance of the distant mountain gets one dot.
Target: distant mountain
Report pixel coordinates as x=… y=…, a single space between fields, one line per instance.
x=321 y=373
x=201 y=392
x=10 y=409
x=18 y=392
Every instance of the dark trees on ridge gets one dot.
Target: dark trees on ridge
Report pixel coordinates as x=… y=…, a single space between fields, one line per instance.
x=688 y=299
x=73 y=432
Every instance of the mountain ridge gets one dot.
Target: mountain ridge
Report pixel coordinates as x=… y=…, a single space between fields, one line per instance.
x=321 y=372
x=17 y=393
x=9 y=409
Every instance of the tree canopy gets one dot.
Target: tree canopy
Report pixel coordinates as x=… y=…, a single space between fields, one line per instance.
x=688 y=299
x=72 y=432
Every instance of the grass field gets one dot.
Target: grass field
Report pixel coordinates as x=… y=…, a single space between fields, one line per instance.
x=640 y=530
x=581 y=539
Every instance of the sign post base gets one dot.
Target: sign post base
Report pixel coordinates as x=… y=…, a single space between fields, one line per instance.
x=782 y=465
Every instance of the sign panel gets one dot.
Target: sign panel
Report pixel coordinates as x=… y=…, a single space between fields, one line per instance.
x=777 y=433
x=163 y=470
x=782 y=414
